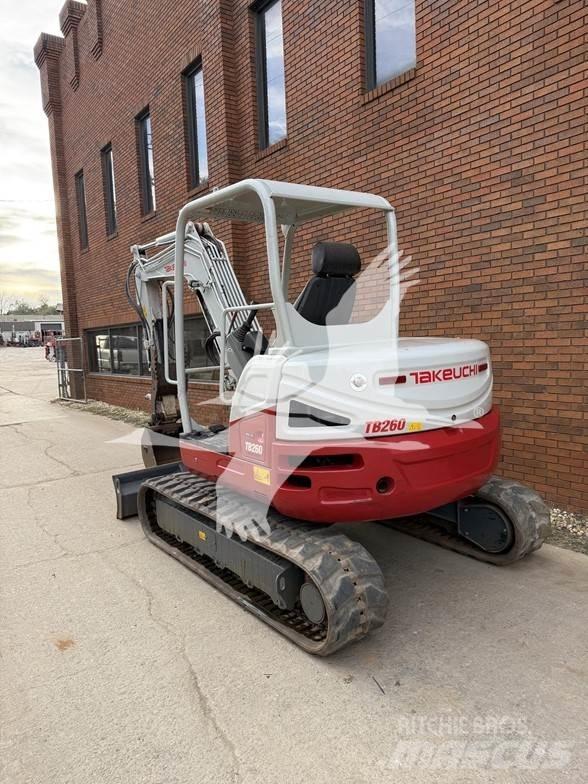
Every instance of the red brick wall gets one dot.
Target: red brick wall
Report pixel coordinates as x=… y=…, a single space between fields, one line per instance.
x=481 y=148
x=130 y=392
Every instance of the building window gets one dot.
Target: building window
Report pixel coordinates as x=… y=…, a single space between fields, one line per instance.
x=271 y=82
x=121 y=350
x=109 y=189
x=82 y=214
x=196 y=125
x=146 y=168
x=196 y=333
x=390 y=39
x=117 y=350
x=195 y=336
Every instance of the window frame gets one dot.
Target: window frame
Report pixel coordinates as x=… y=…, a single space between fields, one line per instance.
x=191 y=123
x=369 y=17
x=80 y=186
x=146 y=177
x=259 y=9
x=109 y=189
x=109 y=332
x=371 y=76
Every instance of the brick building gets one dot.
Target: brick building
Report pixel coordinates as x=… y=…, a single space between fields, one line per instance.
x=468 y=115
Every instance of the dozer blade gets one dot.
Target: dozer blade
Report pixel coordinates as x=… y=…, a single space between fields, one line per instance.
x=127 y=486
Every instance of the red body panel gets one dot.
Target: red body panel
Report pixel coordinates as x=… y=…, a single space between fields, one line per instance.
x=414 y=472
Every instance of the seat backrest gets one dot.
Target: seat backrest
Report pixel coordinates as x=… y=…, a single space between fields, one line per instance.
x=328 y=297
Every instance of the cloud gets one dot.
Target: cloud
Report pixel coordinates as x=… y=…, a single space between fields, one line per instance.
x=12 y=215
x=8 y=239
x=29 y=283
x=7 y=222
x=29 y=262
x=39 y=275
x=28 y=238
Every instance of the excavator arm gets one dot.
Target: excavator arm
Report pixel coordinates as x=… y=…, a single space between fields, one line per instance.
x=209 y=274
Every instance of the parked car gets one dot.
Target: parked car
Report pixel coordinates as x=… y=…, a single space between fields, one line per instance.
x=117 y=355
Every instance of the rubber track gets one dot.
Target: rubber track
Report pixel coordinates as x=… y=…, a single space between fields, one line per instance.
x=349 y=579
x=525 y=509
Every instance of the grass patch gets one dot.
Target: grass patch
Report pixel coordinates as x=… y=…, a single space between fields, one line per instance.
x=129 y=415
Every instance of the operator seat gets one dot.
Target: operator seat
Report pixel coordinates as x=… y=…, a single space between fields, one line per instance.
x=328 y=297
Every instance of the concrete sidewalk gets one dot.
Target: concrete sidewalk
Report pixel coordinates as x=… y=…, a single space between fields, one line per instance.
x=119 y=665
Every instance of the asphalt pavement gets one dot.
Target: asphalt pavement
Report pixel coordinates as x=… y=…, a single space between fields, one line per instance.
x=119 y=665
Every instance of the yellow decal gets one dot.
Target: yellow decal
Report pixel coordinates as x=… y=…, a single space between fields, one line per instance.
x=412 y=426
x=202 y=535
x=261 y=475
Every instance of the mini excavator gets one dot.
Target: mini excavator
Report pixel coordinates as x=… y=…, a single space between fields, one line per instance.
x=334 y=418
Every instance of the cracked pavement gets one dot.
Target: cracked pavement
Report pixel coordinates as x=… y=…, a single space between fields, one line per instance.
x=119 y=665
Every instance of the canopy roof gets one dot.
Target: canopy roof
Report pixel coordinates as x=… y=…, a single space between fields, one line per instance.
x=293 y=203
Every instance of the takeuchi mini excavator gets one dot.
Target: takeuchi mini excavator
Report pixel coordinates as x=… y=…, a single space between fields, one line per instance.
x=334 y=418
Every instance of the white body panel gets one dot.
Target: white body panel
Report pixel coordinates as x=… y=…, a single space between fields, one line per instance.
x=258 y=385
x=345 y=381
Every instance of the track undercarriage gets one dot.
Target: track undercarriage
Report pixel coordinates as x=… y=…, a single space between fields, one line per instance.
x=316 y=586
x=322 y=590
x=502 y=523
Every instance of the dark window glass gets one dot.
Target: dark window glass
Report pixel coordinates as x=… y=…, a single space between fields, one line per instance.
x=124 y=344
x=195 y=336
x=391 y=39
x=99 y=351
x=117 y=350
x=121 y=350
x=271 y=82
x=82 y=214
x=146 y=166
x=109 y=188
x=196 y=122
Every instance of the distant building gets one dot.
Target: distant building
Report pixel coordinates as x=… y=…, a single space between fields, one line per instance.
x=29 y=329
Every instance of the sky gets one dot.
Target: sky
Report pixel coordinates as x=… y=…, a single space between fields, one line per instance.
x=29 y=260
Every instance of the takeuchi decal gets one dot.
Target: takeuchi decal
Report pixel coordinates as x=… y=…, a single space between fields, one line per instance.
x=448 y=374
x=172 y=266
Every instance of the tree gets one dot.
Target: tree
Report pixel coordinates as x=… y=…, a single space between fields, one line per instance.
x=44 y=309
x=5 y=302
x=20 y=307
x=47 y=310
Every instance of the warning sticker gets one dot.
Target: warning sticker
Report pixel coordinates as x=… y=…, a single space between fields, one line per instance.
x=262 y=475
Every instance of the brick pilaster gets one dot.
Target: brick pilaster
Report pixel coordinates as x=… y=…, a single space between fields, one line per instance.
x=69 y=19
x=47 y=52
x=95 y=27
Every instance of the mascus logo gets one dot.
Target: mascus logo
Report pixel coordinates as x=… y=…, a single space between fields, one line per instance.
x=447 y=374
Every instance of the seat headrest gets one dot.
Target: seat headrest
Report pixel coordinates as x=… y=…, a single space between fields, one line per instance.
x=338 y=259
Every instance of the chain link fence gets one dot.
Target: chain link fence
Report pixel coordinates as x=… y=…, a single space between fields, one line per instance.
x=71 y=377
